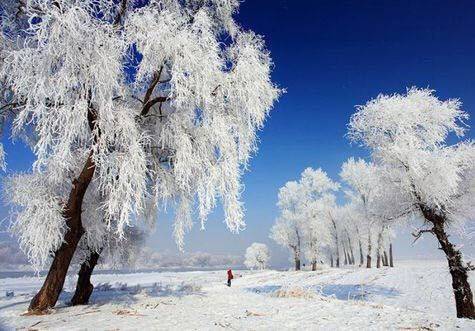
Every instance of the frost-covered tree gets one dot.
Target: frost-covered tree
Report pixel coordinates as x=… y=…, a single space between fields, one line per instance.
x=315 y=230
x=161 y=100
x=305 y=214
x=99 y=244
x=257 y=256
x=286 y=233
x=408 y=135
x=364 y=191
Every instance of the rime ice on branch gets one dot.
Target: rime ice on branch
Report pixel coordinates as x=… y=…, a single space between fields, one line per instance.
x=408 y=136
x=162 y=100
x=257 y=256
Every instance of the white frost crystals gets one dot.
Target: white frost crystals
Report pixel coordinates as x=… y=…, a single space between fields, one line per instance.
x=408 y=137
x=180 y=128
x=257 y=256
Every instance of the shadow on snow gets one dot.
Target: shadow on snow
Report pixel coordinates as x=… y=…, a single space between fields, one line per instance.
x=337 y=291
x=131 y=294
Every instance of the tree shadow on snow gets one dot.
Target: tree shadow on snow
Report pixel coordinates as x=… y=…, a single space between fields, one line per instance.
x=354 y=292
x=266 y=289
x=337 y=291
x=128 y=295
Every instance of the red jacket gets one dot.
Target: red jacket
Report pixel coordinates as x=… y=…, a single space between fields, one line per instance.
x=230 y=274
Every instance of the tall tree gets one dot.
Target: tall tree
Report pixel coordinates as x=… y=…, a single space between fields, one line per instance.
x=285 y=233
x=364 y=191
x=120 y=84
x=304 y=209
x=408 y=136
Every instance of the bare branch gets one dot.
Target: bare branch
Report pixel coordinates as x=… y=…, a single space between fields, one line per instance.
x=417 y=234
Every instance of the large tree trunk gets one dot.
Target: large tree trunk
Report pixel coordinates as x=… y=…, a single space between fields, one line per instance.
x=458 y=271
x=378 y=260
x=391 y=262
x=84 y=287
x=48 y=295
x=345 y=255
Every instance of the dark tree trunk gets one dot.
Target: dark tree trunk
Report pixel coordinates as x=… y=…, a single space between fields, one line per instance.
x=314 y=265
x=296 y=257
x=351 y=255
x=297 y=264
x=361 y=254
x=48 y=295
x=459 y=272
x=337 y=244
x=379 y=248
x=385 y=259
x=331 y=261
x=391 y=262
x=345 y=255
x=368 y=255
x=84 y=287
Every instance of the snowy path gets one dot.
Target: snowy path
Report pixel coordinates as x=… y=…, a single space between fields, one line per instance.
x=412 y=296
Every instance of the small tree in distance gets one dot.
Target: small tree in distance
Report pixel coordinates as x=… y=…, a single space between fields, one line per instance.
x=257 y=256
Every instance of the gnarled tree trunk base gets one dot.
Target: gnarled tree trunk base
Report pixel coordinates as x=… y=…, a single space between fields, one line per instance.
x=458 y=271
x=49 y=293
x=84 y=287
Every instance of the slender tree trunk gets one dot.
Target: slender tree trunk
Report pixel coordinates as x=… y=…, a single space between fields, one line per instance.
x=48 y=295
x=84 y=287
x=368 y=254
x=361 y=253
x=385 y=259
x=350 y=249
x=314 y=265
x=337 y=244
x=345 y=255
x=331 y=260
x=378 y=249
x=297 y=258
x=352 y=255
x=297 y=264
x=459 y=272
x=391 y=262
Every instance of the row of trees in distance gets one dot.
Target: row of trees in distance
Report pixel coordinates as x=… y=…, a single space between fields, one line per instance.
x=313 y=225
x=421 y=170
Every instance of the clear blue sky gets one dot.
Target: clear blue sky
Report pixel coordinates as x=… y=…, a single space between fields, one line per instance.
x=331 y=56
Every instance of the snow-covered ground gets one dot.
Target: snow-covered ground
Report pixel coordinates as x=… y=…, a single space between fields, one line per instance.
x=415 y=295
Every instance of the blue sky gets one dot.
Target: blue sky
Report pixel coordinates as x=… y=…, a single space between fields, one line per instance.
x=331 y=56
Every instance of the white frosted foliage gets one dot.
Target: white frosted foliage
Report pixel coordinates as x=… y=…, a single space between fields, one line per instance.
x=257 y=256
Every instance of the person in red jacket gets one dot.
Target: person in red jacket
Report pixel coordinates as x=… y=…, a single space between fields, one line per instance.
x=230 y=276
